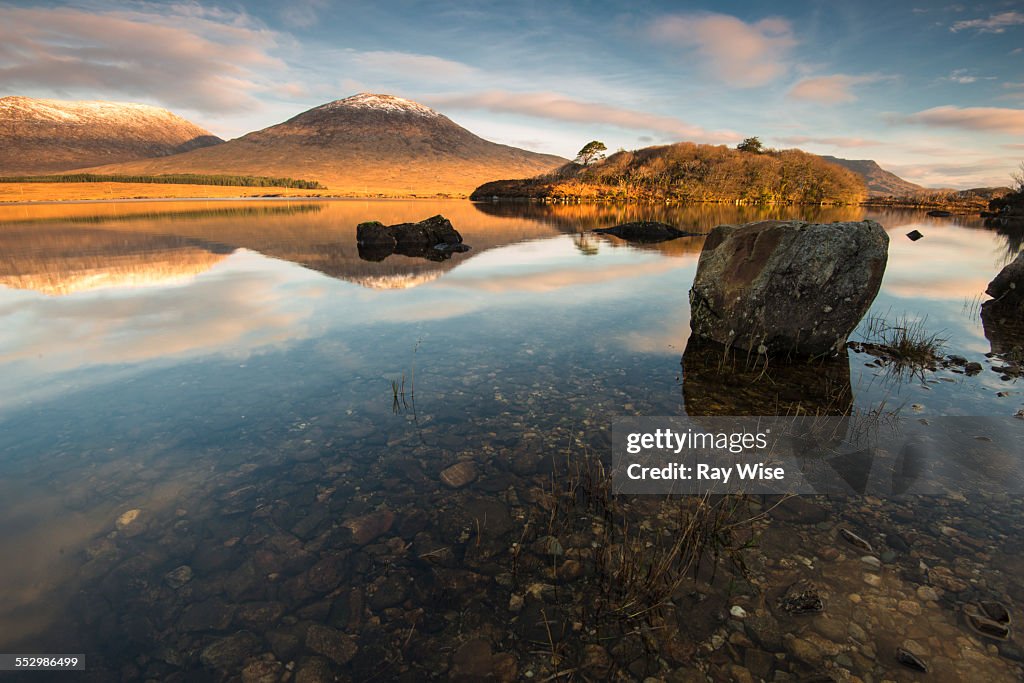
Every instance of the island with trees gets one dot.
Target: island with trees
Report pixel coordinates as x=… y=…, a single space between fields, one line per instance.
x=689 y=172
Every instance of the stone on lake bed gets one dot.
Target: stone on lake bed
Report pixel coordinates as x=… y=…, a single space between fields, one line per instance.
x=331 y=643
x=368 y=527
x=460 y=474
x=127 y=518
x=472 y=661
x=130 y=523
x=178 y=577
x=228 y=654
x=787 y=287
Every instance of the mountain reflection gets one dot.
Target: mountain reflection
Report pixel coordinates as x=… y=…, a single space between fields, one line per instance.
x=60 y=249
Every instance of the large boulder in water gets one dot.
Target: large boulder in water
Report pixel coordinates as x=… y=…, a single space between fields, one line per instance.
x=433 y=238
x=1003 y=315
x=1008 y=285
x=787 y=287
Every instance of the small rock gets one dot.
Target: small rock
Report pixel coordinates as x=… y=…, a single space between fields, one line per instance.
x=871 y=561
x=460 y=474
x=910 y=660
x=909 y=607
x=130 y=523
x=944 y=578
x=176 y=578
x=505 y=667
x=855 y=540
x=873 y=580
x=263 y=670
x=331 y=643
x=549 y=545
x=368 y=527
x=927 y=593
x=738 y=612
x=804 y=651
x=596 y=660
x=914 y=235
x=227 y=654
x=472 y=661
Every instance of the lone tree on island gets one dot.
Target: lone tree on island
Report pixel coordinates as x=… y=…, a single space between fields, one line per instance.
x=592 y=151
x=752 y=145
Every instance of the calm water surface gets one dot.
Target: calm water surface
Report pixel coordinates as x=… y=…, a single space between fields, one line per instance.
x=223 y=372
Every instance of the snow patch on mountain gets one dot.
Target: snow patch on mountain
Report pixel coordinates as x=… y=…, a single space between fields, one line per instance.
x=386 y=103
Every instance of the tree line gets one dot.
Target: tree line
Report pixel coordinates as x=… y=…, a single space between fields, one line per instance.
x=691 y=172
x=171 y=179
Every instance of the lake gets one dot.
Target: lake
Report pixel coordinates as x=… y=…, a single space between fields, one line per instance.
x=222 y=438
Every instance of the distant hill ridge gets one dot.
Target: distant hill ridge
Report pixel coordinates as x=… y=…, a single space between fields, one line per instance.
x=46 y=136
x=878 y=181
x=364 y=144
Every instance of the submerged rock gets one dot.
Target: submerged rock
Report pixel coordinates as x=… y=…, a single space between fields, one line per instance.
x=331 y=643
x=460 y=474
x=645 y=231
x=368 y=527
x=433 y=238
x=910 y=660
x=787 y=287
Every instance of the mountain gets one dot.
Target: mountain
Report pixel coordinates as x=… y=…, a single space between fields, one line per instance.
x=879 y=181
x=47 y=136
x=364 y=144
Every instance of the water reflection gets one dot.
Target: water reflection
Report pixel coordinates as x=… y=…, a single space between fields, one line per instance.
x=716 y=382
x=241 y=401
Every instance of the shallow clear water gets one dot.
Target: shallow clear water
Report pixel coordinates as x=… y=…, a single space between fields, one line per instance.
x=226 y=368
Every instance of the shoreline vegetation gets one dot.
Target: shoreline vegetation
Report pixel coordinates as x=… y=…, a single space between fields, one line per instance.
x=168 y=179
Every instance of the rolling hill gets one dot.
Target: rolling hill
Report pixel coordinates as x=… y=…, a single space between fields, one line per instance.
x=47 y=136
x=880 y=183
x=364 y=145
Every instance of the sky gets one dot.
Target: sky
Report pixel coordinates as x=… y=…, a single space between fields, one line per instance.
x=932 y=91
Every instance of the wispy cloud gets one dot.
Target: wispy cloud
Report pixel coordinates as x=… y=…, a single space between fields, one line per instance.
x=834 y=89
x=963 y=76
x=414 y=66
x=985 y=119
x=834 y=141
x=561 y=108
x=302 y=13
x=186 y=57
x=742 y=54
x=995 y=23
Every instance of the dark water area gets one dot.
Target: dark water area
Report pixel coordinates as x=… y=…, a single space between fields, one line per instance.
x=233 y=450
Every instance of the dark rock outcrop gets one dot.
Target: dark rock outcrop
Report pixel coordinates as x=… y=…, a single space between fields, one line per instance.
x=1003 y=315
x=1008 y=285
x=787 y=287
x=433 y=238
x=645 y=231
